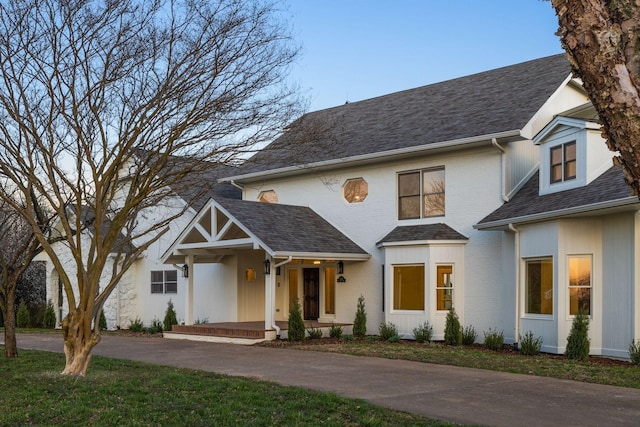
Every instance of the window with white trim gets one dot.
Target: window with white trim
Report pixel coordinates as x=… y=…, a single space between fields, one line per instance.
x=444 y=287
x=539 y=286
x=563 y=162
x=580 y=284
x=164 y=282
x=408 y=287
x=421 y=194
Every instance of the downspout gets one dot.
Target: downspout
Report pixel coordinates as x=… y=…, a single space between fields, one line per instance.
x=517 y=270
x=503 y=169
x=235 y=184
x=274 y=326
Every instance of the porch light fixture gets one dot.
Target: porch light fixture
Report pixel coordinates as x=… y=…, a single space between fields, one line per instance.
x=340 y=267
x=185 y=270
x=267 y=266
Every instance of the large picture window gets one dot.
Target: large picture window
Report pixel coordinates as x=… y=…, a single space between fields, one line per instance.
x=580 y=285
x=563 y=162
x=421 y=194
x=408 y=287
x=164 y=282
x=444 y=288
x=539 y=286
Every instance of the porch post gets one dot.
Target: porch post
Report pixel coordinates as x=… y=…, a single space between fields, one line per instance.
x=188 y=312
x=269 y=296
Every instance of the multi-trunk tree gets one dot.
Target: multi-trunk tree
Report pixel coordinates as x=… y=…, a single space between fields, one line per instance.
x=101 y=102
x=602 y=41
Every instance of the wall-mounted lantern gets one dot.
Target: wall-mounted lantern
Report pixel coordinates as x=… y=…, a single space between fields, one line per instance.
x=340 y=267
x=185 y=270
x=267 y=266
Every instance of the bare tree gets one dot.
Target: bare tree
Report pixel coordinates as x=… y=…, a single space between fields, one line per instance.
x=100 y=100
x=602 y=41
x=18 y=247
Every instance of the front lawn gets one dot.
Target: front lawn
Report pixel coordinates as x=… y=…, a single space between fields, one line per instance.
x=122 y=393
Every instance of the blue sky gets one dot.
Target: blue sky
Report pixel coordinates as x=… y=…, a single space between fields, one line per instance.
x=358 y=49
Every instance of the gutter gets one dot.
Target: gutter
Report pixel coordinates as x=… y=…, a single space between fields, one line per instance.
x=503 y=171
x=274 y=326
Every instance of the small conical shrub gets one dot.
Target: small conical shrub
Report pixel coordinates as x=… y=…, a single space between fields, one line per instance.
x=578 y=340
x=102 y=323
x=23 y=318
x=360 y=322
x=170 y=318
x=452 y=329
x=49 y=320
x=296 y=330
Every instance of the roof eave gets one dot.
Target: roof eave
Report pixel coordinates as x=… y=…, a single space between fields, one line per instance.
x=374 y=157
x=544 y=216
x=323 y=255
x=423 y=243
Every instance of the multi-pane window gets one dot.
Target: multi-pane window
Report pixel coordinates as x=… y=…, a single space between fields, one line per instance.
x=580 y=284
x=164 y=282
x=539 y=286
x=444 y=287
x=421 y=194
x=408 y=287
x=563 y=162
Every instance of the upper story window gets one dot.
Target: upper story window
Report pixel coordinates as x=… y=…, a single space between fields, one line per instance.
x=563 y=162
x=421 y=193
x=164 y=282
x=268 y=196
x=355 y=190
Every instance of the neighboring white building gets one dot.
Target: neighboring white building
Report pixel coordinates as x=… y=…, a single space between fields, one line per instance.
x=492 y=193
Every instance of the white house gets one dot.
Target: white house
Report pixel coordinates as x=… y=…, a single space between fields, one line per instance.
x=492 y=193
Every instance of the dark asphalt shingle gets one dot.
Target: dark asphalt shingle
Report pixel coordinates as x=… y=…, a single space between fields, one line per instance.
x=412 y=233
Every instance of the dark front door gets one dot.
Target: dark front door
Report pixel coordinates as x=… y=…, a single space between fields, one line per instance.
x=311 y=293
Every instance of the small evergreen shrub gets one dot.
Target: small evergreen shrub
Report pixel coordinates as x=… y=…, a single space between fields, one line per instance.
x=529 y=345
x=155 y=328
x=494 y=340
x=49 y=320
x=387 y=331
x=296 y=324
x=336 y=331
x=102 y=322
x=314 y=333
x=423 y=333
x=634 y=352
x=348 y=338
x=169 y=317
x=469 y=335
x=360 y=321
x=578 y=342
x=452 y=329
x=136 y=325
x=23 y=318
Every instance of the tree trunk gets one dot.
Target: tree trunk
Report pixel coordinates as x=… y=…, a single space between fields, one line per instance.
x=79 y=340
x=10 y=345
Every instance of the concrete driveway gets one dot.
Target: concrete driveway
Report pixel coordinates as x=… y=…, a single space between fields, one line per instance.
x=461 y=395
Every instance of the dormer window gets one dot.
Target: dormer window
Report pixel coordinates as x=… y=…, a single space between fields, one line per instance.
x=563 y=162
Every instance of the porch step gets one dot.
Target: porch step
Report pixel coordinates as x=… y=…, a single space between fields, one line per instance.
x=228 y=332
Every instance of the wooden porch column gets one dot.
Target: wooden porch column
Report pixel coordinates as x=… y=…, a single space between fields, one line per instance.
x=269 y=297
x=188 y=311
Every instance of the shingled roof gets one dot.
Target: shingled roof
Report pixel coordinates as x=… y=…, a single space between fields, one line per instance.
x=424 y=232
x=488 y=103
x=273 y=224
x=608 y=190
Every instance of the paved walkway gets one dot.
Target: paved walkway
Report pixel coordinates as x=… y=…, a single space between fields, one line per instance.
x=461 y=395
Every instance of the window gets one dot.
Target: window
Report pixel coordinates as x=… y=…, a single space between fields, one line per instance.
x=164 y=282
x=579 y=285
x=355 y=190
x=330 y=290
x=563 y=162
x=539 y=286
x=269 y=196
x=444 y=287
x=408 y=287
x=421 y=194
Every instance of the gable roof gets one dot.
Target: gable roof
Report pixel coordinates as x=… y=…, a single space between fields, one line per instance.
x=609 y=190
x=421 y=233
x=485 y=104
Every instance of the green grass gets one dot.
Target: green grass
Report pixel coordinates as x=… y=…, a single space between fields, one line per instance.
x=624 y=375
x=123 y=393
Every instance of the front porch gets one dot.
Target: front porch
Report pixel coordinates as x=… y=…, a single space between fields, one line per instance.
x=240 y=332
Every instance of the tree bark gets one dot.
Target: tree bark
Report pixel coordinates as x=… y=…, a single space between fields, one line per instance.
x=10 y=344
x=601 y=39
x=79 y=340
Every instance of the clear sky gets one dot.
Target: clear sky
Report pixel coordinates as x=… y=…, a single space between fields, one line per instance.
x=358 y=49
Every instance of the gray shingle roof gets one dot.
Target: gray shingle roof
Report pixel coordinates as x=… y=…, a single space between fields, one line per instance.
x=273 y=225
x=609 y=187
x=500 y=100
x=412 y=233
